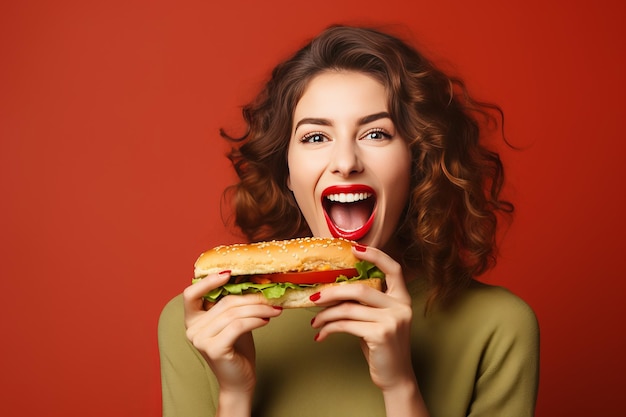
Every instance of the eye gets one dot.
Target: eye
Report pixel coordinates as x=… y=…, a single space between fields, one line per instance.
x=377 y=134
x=314 y=137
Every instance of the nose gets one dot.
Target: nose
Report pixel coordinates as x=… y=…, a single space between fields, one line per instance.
x=345 y=159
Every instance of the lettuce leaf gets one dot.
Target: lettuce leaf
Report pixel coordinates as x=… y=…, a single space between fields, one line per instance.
x=276 y=290
x=366 y=270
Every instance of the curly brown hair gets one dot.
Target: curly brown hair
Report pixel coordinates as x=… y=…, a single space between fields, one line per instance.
x=449 y=225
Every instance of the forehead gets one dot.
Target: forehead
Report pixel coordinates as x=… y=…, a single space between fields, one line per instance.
x=341 y=93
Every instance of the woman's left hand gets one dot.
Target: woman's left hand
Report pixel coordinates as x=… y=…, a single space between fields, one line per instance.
x=381 y=320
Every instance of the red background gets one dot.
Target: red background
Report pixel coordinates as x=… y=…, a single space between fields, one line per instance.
x=111 y=173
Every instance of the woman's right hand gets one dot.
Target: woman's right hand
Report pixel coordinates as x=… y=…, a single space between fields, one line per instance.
x=223 y=333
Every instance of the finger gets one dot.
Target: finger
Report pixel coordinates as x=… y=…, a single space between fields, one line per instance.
x=212 y=323
x=232 y=301
x=356 y=328
x=193 y=294
x=218 y=345
x=344 y=311
x=216 y=334
x=394 y=276
x=374 y=326
x=353 y=291
x=202 y=318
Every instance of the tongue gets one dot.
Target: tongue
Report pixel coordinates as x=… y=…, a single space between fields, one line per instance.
x=350 y=216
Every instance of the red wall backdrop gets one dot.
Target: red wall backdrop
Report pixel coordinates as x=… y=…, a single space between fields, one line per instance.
x=111 y=172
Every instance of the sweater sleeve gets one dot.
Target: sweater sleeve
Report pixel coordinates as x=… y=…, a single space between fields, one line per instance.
x=508 y=373
x=188 y=386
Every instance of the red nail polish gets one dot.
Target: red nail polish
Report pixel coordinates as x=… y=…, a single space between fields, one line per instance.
x=317 y=336
x=266 y=319
x=312 y=321
x=277 y=307
x=315 y=296
x=226 y=272
x=360 y=248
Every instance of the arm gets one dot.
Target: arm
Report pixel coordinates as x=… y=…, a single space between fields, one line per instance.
x=405 y=401
x=219 y=339
x=382 y=321
x=508 y=374
x=223 y=336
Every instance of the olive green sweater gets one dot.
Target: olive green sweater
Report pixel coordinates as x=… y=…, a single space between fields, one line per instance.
x=478 y=358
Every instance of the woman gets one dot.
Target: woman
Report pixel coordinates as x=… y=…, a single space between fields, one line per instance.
x=354 y=109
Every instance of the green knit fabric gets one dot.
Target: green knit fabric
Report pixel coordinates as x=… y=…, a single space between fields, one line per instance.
x=478 y=358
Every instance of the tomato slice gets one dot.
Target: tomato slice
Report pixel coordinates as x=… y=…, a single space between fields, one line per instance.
x=313 y=277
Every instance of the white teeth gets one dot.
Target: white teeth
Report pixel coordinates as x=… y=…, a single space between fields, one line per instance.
x=348 y=197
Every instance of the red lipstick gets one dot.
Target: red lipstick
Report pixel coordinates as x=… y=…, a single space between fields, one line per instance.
x=349 y=210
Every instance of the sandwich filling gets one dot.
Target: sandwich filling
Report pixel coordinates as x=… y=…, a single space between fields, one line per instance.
x=365 y=270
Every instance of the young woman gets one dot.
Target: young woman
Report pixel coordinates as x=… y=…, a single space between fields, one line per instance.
x=359 y=111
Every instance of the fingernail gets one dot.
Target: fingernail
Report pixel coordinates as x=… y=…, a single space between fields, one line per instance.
x=317 y=336
x=225 y=272
x=315 y=296
x=266 y=319
x=312 y=321
x=277 y=307
x=360 y=248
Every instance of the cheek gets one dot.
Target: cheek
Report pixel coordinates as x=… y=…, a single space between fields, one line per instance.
x=305 y=167
x=292 y=166
x=303 y=188
x=397 y=179
x=302 y=177
x=295 y=179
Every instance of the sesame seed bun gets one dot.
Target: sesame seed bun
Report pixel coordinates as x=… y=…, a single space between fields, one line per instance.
x=294 y=255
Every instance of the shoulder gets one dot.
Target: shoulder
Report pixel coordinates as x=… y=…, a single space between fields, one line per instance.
x=173 y=309
x=505 y=341
x=180 y=361
x=500 y=316
x=484 y=346
x=488 y=313
x=494 y=296
x=498 y=305
x=188 y=387
x=171 y=319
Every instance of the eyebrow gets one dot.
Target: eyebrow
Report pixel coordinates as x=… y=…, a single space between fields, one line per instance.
x=326 y=122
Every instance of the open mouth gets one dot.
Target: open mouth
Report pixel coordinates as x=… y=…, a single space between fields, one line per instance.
x=349 y=210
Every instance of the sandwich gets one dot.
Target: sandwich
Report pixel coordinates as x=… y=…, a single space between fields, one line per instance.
x=286 y=272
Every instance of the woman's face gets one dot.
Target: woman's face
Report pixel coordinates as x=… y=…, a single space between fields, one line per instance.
x=348 y=169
